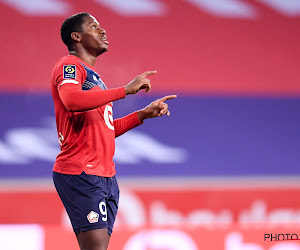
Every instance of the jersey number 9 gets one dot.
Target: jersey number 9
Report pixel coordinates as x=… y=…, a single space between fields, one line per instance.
x=103 y=211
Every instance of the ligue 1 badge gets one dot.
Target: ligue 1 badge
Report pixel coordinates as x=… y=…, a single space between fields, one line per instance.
x=69 y=72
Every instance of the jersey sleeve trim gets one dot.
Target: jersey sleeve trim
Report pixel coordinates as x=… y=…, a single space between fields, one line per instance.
x=68 y=81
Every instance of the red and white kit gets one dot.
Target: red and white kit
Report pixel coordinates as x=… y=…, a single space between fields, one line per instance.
x=85 y=125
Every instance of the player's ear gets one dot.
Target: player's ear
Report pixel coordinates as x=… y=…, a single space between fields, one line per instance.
x=76 y=36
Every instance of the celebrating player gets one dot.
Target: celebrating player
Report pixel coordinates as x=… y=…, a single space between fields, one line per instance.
x=84 y=171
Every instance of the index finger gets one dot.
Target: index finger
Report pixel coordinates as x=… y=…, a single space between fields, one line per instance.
x=168 y=97
x=148 y=73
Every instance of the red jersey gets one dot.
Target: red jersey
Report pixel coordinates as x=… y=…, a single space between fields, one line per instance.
x=83 y=110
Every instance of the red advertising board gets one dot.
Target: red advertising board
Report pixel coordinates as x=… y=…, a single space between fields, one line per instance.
x=165 y=205
x=55 y=237
x=166 y=215
x=237 y=47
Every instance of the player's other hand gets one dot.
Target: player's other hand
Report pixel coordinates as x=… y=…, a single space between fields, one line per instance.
x=156 y=108
x=139 y=82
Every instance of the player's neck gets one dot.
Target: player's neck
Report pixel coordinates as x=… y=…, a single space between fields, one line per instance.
x=89 y=59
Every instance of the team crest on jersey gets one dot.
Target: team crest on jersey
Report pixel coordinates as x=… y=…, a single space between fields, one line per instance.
x=93 y=217
x=69 y=72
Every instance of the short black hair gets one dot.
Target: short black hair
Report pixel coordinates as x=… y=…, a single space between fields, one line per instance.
x=72 y=24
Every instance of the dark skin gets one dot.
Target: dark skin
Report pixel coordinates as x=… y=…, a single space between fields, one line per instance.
x=88 y=45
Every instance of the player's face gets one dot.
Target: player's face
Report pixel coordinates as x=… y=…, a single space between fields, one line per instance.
x=93 y=37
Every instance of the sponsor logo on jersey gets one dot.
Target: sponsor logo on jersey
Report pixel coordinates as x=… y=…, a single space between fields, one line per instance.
x=93 y=217
x=69 y=72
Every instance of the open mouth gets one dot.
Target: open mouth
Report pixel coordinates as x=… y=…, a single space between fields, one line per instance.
x=103 y=39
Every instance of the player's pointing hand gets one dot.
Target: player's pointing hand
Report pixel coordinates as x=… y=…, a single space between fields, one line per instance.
x=156 y=108
x=139 y=82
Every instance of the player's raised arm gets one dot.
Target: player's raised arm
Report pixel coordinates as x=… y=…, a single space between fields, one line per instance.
x=155 y=108
x=75 y=99
x=139 y=82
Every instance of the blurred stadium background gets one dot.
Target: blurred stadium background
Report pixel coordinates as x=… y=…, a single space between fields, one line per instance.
x=220 y=173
